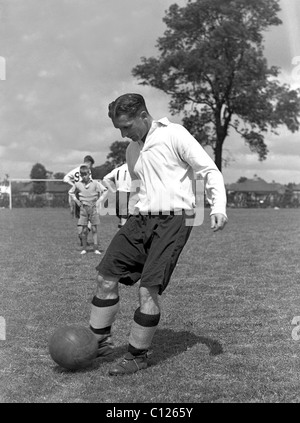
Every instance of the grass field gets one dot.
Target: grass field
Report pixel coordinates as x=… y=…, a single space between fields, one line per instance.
x=226 y=328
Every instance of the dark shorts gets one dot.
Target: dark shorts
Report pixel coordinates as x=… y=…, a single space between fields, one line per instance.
x=146 y=248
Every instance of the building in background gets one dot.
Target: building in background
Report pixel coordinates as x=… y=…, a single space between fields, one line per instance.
x=255 y=193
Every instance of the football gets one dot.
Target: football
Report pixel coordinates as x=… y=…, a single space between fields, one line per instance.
x=73 y=347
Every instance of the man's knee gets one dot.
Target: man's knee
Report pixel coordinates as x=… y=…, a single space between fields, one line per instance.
x=149 y=299
x=106 y=287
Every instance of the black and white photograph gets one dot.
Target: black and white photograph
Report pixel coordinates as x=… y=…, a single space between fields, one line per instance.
x=149 y=204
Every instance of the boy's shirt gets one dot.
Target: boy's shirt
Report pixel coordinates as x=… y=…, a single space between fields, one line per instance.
x=89 y=193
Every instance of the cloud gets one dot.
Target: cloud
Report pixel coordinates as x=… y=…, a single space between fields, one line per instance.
x=276 y=168
x=282 y=42
x=66 y=60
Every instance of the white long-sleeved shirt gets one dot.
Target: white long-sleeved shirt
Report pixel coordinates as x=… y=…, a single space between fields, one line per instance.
x=165 y=166
x=118 y=179
x=73 y=176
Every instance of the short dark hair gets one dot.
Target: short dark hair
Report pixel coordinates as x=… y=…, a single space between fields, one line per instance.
x=89 y=159
x=84 y=169
x=128 y=104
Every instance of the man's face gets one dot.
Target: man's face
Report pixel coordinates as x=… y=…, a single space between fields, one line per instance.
x=134 y=128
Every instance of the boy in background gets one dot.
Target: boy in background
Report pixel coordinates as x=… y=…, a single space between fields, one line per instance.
x=118 y=181
x=70 y=178
x=85 y=193
x=74 y=176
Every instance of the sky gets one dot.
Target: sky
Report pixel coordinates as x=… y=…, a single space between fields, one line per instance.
x=63 y=61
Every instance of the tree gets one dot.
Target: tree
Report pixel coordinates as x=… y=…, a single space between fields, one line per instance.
x=38 y=171
x=117 y=155
x=241 y=180
x=288 y=195
x=115 y=158
x=59 y=175
x=98 y=172
x=211 y=63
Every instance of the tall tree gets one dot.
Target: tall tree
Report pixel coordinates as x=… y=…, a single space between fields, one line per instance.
x=38 y=171
x=117 y=155
x=98 y=172
x=241 y=180
x=212 y=65
x=59 y=175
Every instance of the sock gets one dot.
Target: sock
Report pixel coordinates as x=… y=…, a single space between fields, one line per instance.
x=103 y=314
x=142 y=331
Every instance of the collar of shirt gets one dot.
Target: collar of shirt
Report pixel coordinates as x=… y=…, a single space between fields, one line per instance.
x=155 y=124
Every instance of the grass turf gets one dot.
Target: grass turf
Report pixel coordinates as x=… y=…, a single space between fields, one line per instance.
x=225 y=333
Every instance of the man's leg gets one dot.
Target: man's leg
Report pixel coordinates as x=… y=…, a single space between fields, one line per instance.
x=145 y=323
x=104 y=309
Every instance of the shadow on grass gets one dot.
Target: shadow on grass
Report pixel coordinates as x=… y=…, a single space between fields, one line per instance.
x=166 y=344
x=118 y=352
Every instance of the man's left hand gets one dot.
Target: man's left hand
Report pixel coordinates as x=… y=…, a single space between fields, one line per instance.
x=218 y=221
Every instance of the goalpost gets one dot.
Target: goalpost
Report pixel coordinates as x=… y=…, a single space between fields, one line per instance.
x=23 y=188
x=20 y=193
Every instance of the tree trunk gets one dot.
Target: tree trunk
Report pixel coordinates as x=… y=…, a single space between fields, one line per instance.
x=219 y=147
x=221 y=132
x=218 y=155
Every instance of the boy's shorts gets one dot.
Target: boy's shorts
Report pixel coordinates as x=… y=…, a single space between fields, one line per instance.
x=88 y=214
x=147 y=247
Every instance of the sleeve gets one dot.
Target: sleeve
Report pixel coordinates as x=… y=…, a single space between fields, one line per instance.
x=109 y=181
x=131 y=157
x=100 y=187
x=72 y=176
x=195 y=155
x=72 y=193
x=127 y=181
x=103 y=191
